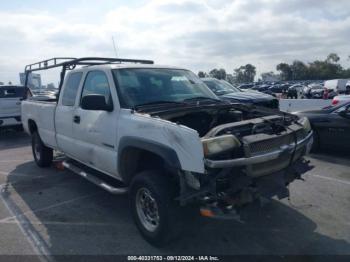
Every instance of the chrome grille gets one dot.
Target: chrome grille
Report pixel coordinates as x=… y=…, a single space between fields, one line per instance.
x=272 y=144
x=264 y=144
x=269 y=145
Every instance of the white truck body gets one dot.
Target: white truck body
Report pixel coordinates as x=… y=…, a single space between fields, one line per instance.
x=10 y=105
x=94 y=142
x=167 y=138
x=336 y=85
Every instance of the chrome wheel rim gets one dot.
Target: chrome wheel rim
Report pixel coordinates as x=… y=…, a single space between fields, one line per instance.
x=147 y=209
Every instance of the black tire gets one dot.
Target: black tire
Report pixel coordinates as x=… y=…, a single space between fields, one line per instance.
x=163 y=193
x=43 y=155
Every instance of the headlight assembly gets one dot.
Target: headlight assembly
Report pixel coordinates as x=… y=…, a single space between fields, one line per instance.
x=220 y=144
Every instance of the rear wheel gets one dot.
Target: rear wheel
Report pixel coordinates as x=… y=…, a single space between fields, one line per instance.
x=43 y=155
x=154 y=209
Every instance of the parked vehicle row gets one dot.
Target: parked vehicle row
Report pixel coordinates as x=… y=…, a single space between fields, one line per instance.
x=302 y=89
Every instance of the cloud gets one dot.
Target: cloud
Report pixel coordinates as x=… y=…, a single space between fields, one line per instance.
x=198 y=35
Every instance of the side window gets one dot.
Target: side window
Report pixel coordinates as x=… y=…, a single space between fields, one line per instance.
x=96 y=83
x=71 y=89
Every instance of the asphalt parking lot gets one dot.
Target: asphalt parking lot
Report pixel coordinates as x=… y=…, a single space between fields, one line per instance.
x=48 y=211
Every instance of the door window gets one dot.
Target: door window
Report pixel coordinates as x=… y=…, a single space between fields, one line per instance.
x=71 y=89
x=96 y=83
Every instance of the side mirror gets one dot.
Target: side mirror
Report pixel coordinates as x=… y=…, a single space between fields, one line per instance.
x=95 y=102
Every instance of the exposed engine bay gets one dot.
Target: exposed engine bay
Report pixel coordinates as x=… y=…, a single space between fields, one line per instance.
x=205 y=119
x=249 y=151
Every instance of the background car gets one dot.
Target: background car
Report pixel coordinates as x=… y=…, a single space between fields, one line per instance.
x=10 y=106
x=279 y=88
x=316 y=91
x=292 y=92
x=340 y=99
x=337 y=85
x=226 y=91
x=331 y=126
x=298 y=88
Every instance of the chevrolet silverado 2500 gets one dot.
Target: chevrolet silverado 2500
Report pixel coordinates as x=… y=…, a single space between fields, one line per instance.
x=166 y=138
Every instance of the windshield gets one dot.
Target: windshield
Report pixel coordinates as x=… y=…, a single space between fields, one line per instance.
x=220 y=87
x=141 y=86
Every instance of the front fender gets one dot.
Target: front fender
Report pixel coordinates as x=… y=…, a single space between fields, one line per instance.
x=168 y=154
x=178 y=145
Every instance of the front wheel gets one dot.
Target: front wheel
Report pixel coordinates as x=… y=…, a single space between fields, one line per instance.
x=153 y=206
x=43 y=155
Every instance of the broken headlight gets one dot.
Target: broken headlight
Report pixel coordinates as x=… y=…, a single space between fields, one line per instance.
x=220 y=144
x=305 y=123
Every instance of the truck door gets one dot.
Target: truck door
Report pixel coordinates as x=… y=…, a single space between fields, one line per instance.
x=10 y=101
x=64 y=114
x=95 y=131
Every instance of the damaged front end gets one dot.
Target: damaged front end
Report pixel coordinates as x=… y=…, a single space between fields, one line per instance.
x=250 y=153
x=247 y=161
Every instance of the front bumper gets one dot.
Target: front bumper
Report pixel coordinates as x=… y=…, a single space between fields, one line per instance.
x=258 y=159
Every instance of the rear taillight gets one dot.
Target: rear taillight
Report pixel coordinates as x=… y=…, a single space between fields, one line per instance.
x=335 y=102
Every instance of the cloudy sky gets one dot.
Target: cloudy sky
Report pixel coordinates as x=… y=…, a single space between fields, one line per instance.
x=198 y=35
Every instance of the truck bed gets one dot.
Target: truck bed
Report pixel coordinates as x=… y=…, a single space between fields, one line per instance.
x=43 y=114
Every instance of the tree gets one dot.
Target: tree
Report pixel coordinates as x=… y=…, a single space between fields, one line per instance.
x=245 y=73
x=250 y=72
x=270 y=76
x=299 y=70
x=332 y=58
x=316 y=70
x=218 y=73
x=230 y=78
x=286 y=71
x=201 y=74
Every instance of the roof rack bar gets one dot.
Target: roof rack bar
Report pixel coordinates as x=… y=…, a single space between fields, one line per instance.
x=47 y=64
x=70 y=61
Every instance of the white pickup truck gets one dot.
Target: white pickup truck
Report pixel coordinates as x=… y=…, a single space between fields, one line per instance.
x=167 y=140
x=10 y=106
